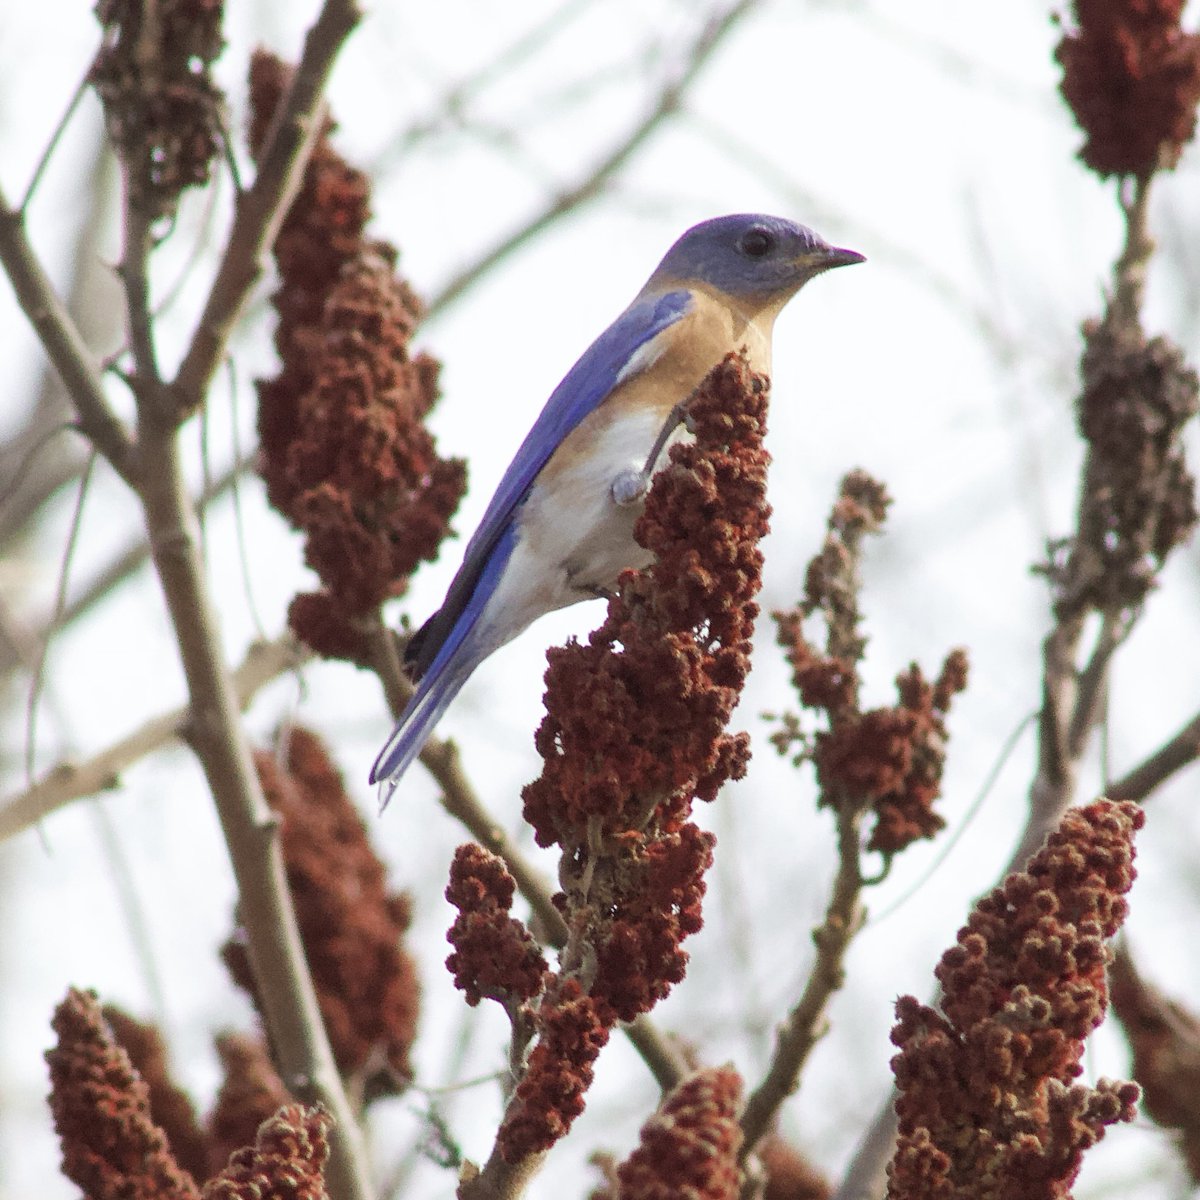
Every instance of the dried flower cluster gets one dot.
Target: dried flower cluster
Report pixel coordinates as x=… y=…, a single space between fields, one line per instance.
x=790 y=1176
x=572 y=1029
x=250 y=1092
x=352 y=927
x=988 y=1108
x=690 y=1146
x=170 y=1107
x=1165 y=1039
x=126 y=1126
x=635 y=732
x=1131 y=75
x=1138 y=499
x=494 y=956
x=345 y=453
x=161 y=107
x=641 y=729
x=286 y=1162
x=889 y=759
x=111 y=1147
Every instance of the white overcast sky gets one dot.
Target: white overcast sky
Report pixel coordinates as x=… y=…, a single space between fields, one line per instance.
x=930 y=137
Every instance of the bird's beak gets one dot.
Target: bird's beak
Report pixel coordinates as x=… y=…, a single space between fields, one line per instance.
x=825 y=258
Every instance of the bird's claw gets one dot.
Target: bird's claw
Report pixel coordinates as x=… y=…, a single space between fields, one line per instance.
x=629 y=487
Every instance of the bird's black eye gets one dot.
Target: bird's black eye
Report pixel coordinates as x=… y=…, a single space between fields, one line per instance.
x=756 y=243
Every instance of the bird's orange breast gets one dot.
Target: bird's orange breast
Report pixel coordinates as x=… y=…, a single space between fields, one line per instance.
x=676 y=362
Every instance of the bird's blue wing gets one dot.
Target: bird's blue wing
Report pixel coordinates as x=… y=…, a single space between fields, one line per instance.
x=584 y=388
x=441 y=683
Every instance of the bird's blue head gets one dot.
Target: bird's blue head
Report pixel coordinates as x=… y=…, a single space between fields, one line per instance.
x=750 y=256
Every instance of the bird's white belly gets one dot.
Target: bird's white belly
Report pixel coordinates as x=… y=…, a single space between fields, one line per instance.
x=573 y=539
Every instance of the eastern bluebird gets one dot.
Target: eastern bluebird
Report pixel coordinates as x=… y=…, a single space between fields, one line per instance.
x=560 y=527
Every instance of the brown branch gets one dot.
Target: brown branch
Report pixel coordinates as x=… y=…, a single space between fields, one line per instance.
x=261 y=209
x=499 y=1180
x=1073 y=698
x=1053 y=787
x=293 y=1017
x=70 y=781
x=449 y=111
x=460 y=800
x=43 y=469
x=1091 y=693
x=64 y=345
x=1180 y=751
x=805 y=1024
x=130 y=560
x=593 y=181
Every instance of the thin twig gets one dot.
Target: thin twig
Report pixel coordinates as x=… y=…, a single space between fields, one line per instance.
x=1180 y=751
x=70 y=781
x=63 y=344
x=805 y=1024
x=17 y=480
x=948 y=845
x=48 y=152
x=593 y=181
x=60 y=600
x=448 y=112
x=260 y=210
x=1092 y=688
x=87 y=299
x=135 y=556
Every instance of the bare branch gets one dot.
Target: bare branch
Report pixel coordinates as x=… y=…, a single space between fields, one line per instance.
x=250 y=830
x=593 y=181
x=134 y=272
x=1180 y=751
x=126 y=564
x=449 y=112
x=89 y=300
x=805 y=1024
x=70 y=781
x=64 y=345
x=1092 y=688
x=261 y=209
x=864 y=1180
x=500 y=1180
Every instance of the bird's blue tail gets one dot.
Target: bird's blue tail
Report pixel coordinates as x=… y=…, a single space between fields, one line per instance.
x=416 y=723
x=459 y=651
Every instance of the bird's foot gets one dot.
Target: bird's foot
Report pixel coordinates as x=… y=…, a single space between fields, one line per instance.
x=630 y=487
